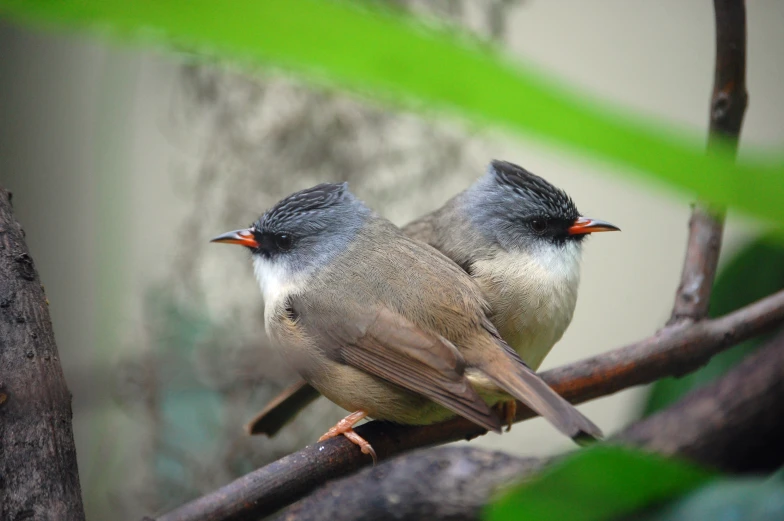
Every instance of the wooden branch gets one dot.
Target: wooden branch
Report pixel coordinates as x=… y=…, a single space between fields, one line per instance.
x=733 y=424
x=38 y=474
x=453 y=483
x=728 y=105
x=729 y=101
x=692 y=299
x=673 y=351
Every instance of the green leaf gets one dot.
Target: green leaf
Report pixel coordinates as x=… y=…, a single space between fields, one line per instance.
x=389 y=56
x=602 y=482
x=755 y=272
x=749 y=499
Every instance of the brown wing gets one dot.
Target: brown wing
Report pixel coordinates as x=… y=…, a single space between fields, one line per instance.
x=387 y=345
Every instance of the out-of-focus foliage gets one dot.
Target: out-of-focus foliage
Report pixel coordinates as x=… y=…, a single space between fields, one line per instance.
x=607 y=483
x=747 y=499
x=384 y=53
x=602 y=482
x=755 y=272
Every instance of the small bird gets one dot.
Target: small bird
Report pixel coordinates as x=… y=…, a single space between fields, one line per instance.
x=520 y=238
x=383 y=325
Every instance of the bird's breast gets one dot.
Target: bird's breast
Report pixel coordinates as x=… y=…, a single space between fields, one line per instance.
x=532 y=298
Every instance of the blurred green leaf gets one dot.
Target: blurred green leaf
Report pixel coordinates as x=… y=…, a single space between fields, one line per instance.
x=755 y=272
x=602 y=482
x=389 y=55
x=747 y=499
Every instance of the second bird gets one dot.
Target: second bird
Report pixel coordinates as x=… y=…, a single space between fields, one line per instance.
x=520 y=238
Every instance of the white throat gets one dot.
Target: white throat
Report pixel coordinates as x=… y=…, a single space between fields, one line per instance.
x=532 y=295
x=559 y=263
x=276 y=282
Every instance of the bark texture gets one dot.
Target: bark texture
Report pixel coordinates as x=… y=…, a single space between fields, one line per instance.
x=446 y=483
x=38 y=474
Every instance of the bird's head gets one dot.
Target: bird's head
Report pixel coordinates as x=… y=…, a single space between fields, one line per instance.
x=521 y=211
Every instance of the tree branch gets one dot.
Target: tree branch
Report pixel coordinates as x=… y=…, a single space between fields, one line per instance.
x=733 y=424
x=38 y=474
x=728 y=105
x=452 y=483
x=673 y=351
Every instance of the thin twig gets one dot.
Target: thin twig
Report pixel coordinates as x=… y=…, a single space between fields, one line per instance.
x=728 y=105
x=673 y=351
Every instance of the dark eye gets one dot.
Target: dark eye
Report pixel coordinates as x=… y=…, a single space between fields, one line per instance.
x=283 y=241
x=539 y=225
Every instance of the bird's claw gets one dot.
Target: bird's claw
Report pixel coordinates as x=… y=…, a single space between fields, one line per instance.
x=346 y=428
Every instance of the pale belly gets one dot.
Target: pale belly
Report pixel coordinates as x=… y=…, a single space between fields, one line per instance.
x=531 y=340
x=532 y=302
x=355 y=390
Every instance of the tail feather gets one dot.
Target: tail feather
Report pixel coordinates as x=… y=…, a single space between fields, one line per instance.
x=282 y=409
x=512 y=375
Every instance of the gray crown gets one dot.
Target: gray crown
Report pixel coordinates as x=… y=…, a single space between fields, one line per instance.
x=302 y=207
x=533 y=188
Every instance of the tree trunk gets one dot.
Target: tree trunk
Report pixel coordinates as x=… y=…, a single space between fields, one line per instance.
x=39 y=479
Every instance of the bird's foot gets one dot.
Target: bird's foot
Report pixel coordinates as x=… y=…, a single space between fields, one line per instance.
x=346 y=428
x=507 y=410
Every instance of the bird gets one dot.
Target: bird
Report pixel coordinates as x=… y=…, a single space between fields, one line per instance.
x=383 y=325
x=521 y=239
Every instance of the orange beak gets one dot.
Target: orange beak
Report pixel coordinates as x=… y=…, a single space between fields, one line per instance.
x=242 y=237
x=586 y=225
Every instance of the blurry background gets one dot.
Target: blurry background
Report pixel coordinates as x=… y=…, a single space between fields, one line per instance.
x=124 y=163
